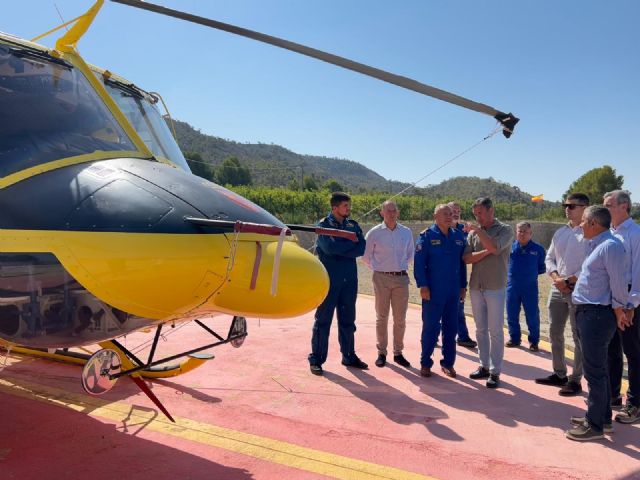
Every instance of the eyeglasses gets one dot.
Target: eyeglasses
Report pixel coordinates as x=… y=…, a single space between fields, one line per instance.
x=572 y=206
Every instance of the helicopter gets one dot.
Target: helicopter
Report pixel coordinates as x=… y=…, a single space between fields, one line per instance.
x=104 y=230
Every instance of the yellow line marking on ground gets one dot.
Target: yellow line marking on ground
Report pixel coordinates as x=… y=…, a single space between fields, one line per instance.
x=270 y=450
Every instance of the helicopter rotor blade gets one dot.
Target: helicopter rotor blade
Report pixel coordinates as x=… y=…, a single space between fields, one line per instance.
x=507 y=120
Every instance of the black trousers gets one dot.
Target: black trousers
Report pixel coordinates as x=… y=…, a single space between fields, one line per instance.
x=627 y=342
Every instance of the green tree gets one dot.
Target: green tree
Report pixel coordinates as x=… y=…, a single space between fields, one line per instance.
x=309 y=183
x=294 y=185
x=596 y=182
x=198 y=166
x=333 y=186
x=230 y=172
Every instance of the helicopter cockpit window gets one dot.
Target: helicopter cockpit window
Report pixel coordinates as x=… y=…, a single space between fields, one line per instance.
x=147 y=121
x=49 y=111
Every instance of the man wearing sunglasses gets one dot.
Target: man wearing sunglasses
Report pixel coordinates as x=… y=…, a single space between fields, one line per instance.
x=564 y=260
x=618 y=203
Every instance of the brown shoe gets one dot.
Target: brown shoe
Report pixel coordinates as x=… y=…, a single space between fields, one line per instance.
x=449 y=372
x=425 y=372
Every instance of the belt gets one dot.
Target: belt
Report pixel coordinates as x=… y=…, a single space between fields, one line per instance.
x=397 y=274
x=592 y=306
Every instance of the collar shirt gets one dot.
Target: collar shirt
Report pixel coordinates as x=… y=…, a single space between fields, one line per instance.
x=526 y=263
x=491 y=272
x=567 y=251
x=438 y=262
x=337 y=254
x=602 y=277
x=629 y=233
x=388 y=250
x=460 y=228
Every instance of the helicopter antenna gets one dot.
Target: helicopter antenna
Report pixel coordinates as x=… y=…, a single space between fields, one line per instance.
x=60 y=15
x=507 y=120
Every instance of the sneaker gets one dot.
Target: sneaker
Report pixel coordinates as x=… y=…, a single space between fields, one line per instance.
x=493 y=381
x=534 y=347
x=467 y=343
x=355 y=362
x=400 y=360
x=425 y=372
x=584 y=433
x=571 y=389
x=628 y=414
x=608 y=427
x=553 y=380
x=315 y=369
x=480 y=373
x=449 y=371
x=381 y=360
x=512 y=344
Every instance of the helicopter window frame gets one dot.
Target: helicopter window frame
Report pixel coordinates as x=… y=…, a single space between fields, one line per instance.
x=154 y=130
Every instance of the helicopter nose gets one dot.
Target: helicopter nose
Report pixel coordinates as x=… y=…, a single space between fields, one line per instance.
x=301 y=282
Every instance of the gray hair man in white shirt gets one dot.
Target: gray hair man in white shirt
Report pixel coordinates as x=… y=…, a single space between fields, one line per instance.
x=564 y=260
x=388 y=253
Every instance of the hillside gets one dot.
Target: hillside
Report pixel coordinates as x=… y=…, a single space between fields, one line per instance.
x=469 y=188
x=273 y=165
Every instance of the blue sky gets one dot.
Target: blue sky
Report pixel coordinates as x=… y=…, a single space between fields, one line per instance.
x=570 y=70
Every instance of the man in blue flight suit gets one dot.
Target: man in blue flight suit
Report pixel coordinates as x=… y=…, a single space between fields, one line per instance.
x=526 y=262
x=464 y=340
x=338 y=255
x=441 y=275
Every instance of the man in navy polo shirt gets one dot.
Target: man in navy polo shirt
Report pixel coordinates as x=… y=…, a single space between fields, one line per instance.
x=526 y=262
x=441 y=276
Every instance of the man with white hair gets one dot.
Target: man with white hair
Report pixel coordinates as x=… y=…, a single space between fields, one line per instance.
x=601 y=300
x=441 y=276
x=388 y=253
x=618 y=203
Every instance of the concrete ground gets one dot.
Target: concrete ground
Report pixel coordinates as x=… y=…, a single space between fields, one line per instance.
x=257 y=413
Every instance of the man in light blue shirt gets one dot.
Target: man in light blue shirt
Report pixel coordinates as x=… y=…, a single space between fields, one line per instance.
x=388 y=253
x=618 y=203
x=600 y=296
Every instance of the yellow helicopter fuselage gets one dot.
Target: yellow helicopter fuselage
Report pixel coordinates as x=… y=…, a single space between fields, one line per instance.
x=95 y=239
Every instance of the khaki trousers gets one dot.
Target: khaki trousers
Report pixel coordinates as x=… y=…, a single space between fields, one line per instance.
x=390 y=291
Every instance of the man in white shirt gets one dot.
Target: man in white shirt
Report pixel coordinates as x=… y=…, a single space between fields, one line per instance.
x=564 y=260
x=618 y=203
x=388 y=253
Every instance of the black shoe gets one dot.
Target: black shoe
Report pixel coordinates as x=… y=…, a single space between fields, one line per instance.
x=583 y=433
x=480 y=373
x=315 y=369
x=493 y=381
x=400 y=360
x=355 y=362
x=571 y=389
x=468 y=343
x=381 y=361
x=577 y=421
x=534 y=347
x=512 y=344
x=553 y=380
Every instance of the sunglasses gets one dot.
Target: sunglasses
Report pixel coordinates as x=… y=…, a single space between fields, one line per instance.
x=572 y=206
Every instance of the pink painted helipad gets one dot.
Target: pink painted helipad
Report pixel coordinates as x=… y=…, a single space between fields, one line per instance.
x=257 y=413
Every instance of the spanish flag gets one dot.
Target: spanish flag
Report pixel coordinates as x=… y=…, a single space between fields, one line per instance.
x=537 y=198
